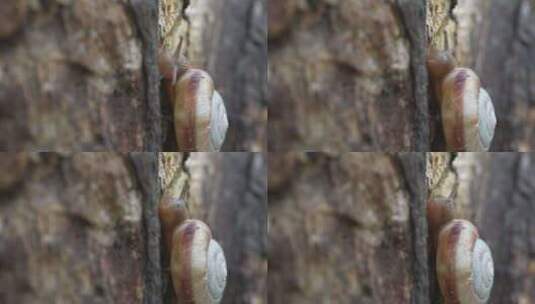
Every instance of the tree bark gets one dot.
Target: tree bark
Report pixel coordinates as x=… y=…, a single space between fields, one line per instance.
x=80 y=76
x=75 y=229
x=347 y=76
x=83 y=76
x=83 y=228
x=347 y=228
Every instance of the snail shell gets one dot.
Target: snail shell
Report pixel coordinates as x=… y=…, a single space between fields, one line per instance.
x=465 y=268
x=198 y=264
x=467 y=112
x=218 y=123
x=487 y=125
x=199 y=112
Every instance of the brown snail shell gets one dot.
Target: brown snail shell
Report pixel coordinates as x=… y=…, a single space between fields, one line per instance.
x=465 y=268
x=198 y=265
x=467 y=112
x=199 y=113
x=468 y=116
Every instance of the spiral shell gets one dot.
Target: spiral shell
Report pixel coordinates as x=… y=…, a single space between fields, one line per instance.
x=482 y=259
x=218 y=122
x=467 y=112
x=487 y=119
x=200 y=116
x=217 y=271
x=198 y=264
x=465 y=268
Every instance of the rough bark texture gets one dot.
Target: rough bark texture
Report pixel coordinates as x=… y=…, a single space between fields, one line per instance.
x=83 y=228
x=79 y=75
x=347 y=228
x=72 y=229
x=495 y=39
x=347 y=76
x=495 y=191
x=228 y=191
x=82 y=75
x=228 y=40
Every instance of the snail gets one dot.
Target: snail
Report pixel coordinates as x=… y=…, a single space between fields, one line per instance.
x=468 y=115
x=198 y=266
x=200 y=117
x=464 y=266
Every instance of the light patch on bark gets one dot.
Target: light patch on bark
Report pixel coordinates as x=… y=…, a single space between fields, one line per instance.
x=173 y=27
x=441 y=27
x=441 y=179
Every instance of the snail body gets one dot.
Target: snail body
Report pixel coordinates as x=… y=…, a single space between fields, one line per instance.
x=172 y=213
x=200 y=117
x=465 y=268
x=439 y=213
x=468 y=115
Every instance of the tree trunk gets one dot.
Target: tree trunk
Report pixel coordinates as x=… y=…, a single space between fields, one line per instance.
x=74 y=229
x=83 y=228
x=79 y=76
x=347 y=76
x=347 y=228
x=351 y=75
x=83 y=76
